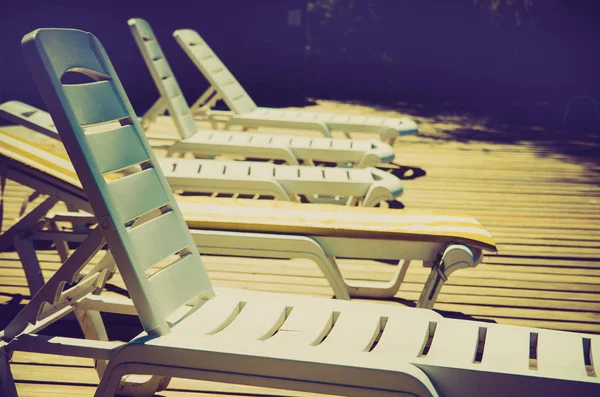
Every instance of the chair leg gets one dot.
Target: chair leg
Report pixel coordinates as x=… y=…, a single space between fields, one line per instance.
x=455 y=257
x=378 y=289
x=62 y=246
x=109 y=382
x=432 y=287
x=116 y=382
x=93 y=328
x=31 y=264
x=7 y=382
x=141 y=385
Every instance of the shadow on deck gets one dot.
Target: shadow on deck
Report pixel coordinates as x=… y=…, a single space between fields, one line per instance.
x=539 y=125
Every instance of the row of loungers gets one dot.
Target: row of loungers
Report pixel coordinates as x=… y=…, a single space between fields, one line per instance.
x=369 y=187
x=193 y=330
x=225 y=227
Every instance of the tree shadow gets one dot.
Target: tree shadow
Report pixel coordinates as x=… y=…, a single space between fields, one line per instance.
x=9 y=310
x=462 y=316
x=538 y=125
x=119 y=326
x=405 y=172
x=445 y=313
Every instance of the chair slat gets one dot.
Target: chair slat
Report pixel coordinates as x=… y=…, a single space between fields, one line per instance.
x=216 y=314
x=95 y=102
x=138 y=194
x=170 y=89
x=263 y=171
x=162 y=68
x=180 y=111
x=179 y=282
x=202 y=49
x=117 y=149
x=310 y=173
x=257 y=321
x=454 y=342
x=302 y=142
x=143 y=29
x=361 y=175
x=234 y=92
x=224 y=78
x=305 y=326
x=336 y=174
x=237 y=170
x=157 y=239
x=283 y=141
x=243 y=104
x=560 y=354
x=414 y=334
x=222 y=137
x=153 y=50
x=212 y=65
x=181 y=108
x=211 y=170
x=245 y=138
x=289 y=173
x=506 y=349
x=353 y=331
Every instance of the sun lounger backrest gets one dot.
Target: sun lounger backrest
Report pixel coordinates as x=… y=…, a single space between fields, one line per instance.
x=30 y=116
x=163 y=77
x=139 y=217
x=234 y=95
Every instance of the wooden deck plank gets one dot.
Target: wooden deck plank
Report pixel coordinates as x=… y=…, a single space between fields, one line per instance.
x=543 y=210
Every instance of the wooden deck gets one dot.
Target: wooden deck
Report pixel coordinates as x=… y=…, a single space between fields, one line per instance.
x=542 y=209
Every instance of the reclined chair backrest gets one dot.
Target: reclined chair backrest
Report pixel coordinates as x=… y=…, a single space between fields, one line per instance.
x=30 y=116
x=138 y=215
x=234 y=95
x=163 y=77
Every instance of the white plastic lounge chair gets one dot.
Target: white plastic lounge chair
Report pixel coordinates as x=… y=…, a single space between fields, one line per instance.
x=320 y=233
x=367 y=187
x=291 y=149
x=244 y=112
x=244 y=337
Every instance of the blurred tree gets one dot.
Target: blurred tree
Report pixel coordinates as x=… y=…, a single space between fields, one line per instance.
x=499 y=9
x=456 y=49
x=522 y=12
x=349 y=38
x=341 y=25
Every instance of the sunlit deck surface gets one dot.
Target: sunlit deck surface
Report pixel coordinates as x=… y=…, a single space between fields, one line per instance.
x=541 y=206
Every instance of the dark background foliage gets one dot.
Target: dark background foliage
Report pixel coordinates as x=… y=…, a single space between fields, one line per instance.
x=492 y=55
x=473 y=50
x=252 y=38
